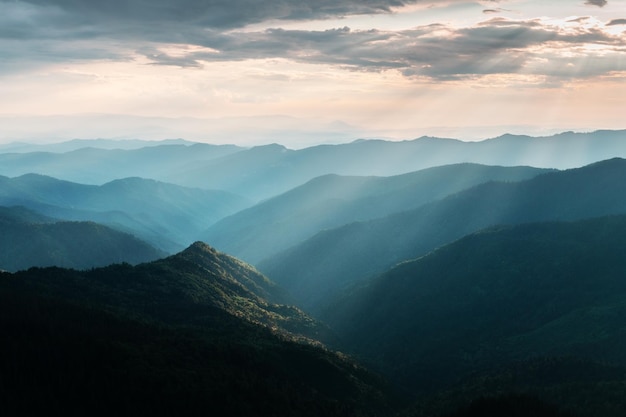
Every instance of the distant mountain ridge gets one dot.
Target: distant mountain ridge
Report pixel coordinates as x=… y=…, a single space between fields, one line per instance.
x=166 y=215
x=88 y=165
x=332 y=259
x=331 y=201
x=265 y=171
x=75 y=144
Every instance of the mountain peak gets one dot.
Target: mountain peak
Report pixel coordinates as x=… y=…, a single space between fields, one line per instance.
x=202 y=276
x=204 y=260
x=200 y=247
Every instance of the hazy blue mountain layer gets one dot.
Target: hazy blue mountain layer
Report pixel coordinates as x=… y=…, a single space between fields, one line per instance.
x=269 y=170
x=28 y=239
x=315 y=269
x=331 y=201
x=168 y=216
x=75 y=144
x=89 y=165
x=265 y=171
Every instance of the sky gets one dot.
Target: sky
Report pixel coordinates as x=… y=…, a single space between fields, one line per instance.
x=301 y=72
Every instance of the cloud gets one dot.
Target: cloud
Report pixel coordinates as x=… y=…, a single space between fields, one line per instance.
x=193 y=33
x=495 y=11
x=216 y=13
x=599 y=3
x=615 y=22
x=438 y=52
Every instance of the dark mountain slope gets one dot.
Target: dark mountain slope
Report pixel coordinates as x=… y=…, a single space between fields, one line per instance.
x=28 y=239
x=331 y=201
x=9 y=215
x=178 y=288
x=166 y=215
x=317 y=268
x=186 y=335
x=495 y=298
x=510 y=406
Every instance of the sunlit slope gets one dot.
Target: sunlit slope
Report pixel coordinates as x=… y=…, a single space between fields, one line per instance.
x=495 y=298
x=166 y=215
x=177 y=290
x=193 y=333
x=28 y=239
x=331 y=201
x=315 y=269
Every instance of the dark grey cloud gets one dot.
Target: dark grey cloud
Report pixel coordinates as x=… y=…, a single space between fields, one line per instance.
x=578 y=19
x=26 y=21
x=71 y=30
x=498 y=46
x=215 y=13
x=616 y=22
x=599 y=3
x=169 y=21
x=495 y=11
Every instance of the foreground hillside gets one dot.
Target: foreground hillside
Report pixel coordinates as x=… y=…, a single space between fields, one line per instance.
x=534 y=308
x=29 y=239
x=190 y=333
x=315 y=269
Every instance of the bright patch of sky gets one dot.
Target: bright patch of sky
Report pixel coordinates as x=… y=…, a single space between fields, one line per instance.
x=302 y=72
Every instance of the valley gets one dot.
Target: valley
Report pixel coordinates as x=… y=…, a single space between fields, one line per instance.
x=430 y=277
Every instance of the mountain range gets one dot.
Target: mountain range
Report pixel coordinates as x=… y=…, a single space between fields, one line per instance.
x=424 y=278
x=75 y=144
x=538 y=307
x=334 y=259
x=166 y=215
x=331 y=200
x=262 y=172
x=89 y=165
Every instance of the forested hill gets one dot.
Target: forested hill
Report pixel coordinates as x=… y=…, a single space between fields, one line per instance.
x=186 y=335
x=493 y=311
x=166 y=215
x=181 y=285
x=30 y=239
